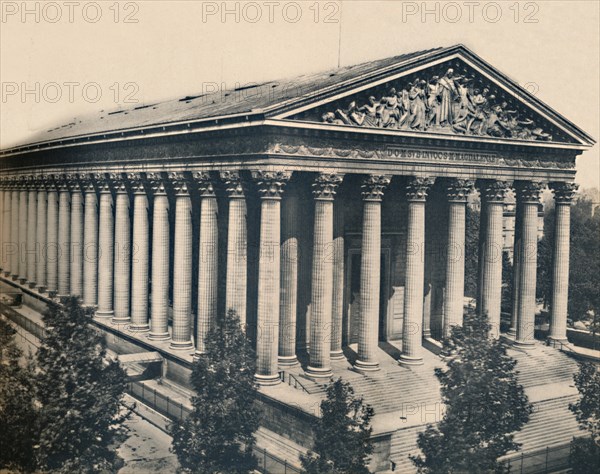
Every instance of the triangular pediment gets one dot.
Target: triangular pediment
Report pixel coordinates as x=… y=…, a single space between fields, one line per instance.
x=452 y=93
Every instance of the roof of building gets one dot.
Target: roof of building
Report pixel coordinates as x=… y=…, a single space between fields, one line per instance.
x=265 y=99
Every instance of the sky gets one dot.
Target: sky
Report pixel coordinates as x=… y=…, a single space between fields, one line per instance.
x=60 y=60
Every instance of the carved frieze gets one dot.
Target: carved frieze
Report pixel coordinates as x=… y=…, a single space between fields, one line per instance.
x=451 y=98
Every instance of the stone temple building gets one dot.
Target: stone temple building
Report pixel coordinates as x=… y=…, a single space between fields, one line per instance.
x=328 y=211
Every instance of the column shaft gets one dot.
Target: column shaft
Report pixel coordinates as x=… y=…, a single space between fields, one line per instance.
x=105 y=253
x=7 y=243
x=413 y=287
x=122 y=267
x=270 y=185
x=42 y=229
x=237 y=247
x=457 y=191
x=52 y=245
x=337 y=312
x=182 y=271
x=90 y=247
x=160 y=263
x=288 y=305
x=516 y=271
x=140 y=257
x=208 y=255
x=528 y=195
x=23 y=207
x=31 y=252
x=77 y=243
x=563 y=196
x=64 y=240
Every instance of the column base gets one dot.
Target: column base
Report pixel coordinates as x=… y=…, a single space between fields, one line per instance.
x=527 y=345
x=563 y=340
x=120 y=320
x=31 y=284
x=139 y=327
x=41 y=289
x=198 y=355
x=512 y=332
x=318 y=373
x=287 y=361
x=22 y=281
x=159 y=336
x=6 y=273
x=104 y=314
x=267 y=380
x=366 y=367
x=181 y=346
x=337 y=355
x=409 y=361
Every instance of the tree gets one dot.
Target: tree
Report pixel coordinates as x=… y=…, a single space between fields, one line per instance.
x=507 y=283
x=80 y=395
x=585 y=453
x=17 y=407
x=218 y=435
x=484 y=404
x=342 y=435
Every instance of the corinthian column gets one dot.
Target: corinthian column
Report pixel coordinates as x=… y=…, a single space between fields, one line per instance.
x=270 y=185
x=42 y=215
x=159 y=319
x=122 y=251
x=416 y=195
x=337 y=312
x=64 y=236
x=237 y=246
x=493 y=194
x=23 y=207
x=512 y=331
x=105 y=248
x=14 y=233
x=32 y=251
x=563 y=197
x=139 y=255
x=7 y=243
x=182 y=270
x=370 y=273
x=90 y=244
x=457 y=191
x=528 y=196
x=324 y=189
x=76 y=237
x=288 y=305
x=52 y=250
x=208 y=260
x=3 y=183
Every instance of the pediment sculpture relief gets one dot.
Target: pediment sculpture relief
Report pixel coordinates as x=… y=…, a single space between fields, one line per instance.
x=458 y=103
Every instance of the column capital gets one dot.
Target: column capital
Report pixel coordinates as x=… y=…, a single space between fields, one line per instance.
x=271 y=183
x=492 y=190
x=119 y=182
x=21 y=183
x=458 y=189
x=529 y=191
x=205 y=182
x=137 y=182
x=86 y=181
x=62 y=182
x=418 y=187
x=73 y=182
x=102 y=181
x=180 y=183
x=325 y=185
x=373 y=186
x=234 y=184
x=563 y=192
x=158 y=183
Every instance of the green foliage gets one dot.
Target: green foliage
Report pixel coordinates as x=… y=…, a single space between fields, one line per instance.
x=471 y=251
x=218 y=436
x=17 y=408
x=507 y=283
x=342 y=435
x=80 y=395
x=585 y=454
x=483 y=401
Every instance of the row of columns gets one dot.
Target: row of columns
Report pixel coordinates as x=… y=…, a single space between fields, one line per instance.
x=82 y=224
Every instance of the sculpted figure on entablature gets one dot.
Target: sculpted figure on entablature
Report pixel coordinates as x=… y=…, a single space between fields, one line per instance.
x=451 y=102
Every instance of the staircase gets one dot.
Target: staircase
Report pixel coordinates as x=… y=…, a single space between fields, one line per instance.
x=544 y=365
